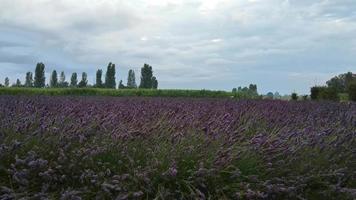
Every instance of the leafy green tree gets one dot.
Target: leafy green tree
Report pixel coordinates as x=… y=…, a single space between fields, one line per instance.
x=294 y=96
x=341 y=82
x=7 y=82
x=74 y=80
x=121 y=85
x=110 y=79
x=131 y=79
x=29 y=80
x=234 y=90
x=18 y=83
x=154 y=83
x=40 y=79
x=352 y=91
x=62 y=80
x=54 y=79
x=84 y=82
x=99 y=82
x=253 y=89
x=146 y=76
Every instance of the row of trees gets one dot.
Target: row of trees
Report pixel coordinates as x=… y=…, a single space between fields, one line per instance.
x=39 y=79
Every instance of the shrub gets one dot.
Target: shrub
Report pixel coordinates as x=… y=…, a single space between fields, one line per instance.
x=314 y=92
x=294 y=96
x=352 y=91
x=324 y=93
x=328 y=93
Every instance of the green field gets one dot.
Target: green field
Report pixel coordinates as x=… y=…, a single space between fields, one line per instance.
x=114 y=92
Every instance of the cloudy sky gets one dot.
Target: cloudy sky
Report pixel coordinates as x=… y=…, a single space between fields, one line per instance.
x=281 y=45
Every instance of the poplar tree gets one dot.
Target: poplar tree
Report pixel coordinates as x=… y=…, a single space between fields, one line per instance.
x=29 y=79
x=54 y=79
x=84 y=82
x=99 y=82
x=146 y=76
x=74 y=80
x=62 y=80
x=110 y=79
x=154 y=83
x=131 y=79
x=40 y=79
x=7 y=82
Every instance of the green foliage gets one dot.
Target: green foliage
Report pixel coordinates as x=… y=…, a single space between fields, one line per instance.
x=18 y=83
x=154 y=83
x=99 y=82
x=54 y=79
x=110 y=79
x=352 y=91
x=29 y=79
x=7 y=82
x=341 y=82
x=246 y=92
x=118 y=93
x=146 y=76
x=74 y=80
x=294 y=96
x=84 y=82
x=314 y=92
x=131 y=79
x=62 y=80
x=121 y=85
x=324 y=93
x=40 y=79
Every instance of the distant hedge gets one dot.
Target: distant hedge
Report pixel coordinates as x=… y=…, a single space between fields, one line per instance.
x=113 y=92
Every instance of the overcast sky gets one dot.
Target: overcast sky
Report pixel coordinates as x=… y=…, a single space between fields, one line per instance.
x=281 y=45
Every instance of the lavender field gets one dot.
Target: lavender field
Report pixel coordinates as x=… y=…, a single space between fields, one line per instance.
x=175 y=148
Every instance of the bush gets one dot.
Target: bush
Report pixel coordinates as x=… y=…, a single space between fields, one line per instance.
x=294 y=96
x=352 y=91
x=329 y=93
x=324 y=93
x=314 y=92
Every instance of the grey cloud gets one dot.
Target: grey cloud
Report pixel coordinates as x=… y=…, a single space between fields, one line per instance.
x=190 y=42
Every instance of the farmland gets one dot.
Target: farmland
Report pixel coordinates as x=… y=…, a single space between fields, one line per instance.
x=95 y=147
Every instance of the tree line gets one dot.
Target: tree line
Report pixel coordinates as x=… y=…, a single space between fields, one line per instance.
x=38 y=80
x=336 y=86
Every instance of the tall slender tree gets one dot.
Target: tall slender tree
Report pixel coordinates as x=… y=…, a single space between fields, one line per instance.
x=62 y=80
x=146 y=76
x=110 y=79
x=40 y=79
x=131 y=79
x=7 y=82
x=84 y=82
x=29 y=79
x=74 y=80
x=154 y=83
x=18 y=83
x=99 y=82
x=54 y=79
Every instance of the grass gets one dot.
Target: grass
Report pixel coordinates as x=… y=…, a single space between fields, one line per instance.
x=114 y=92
